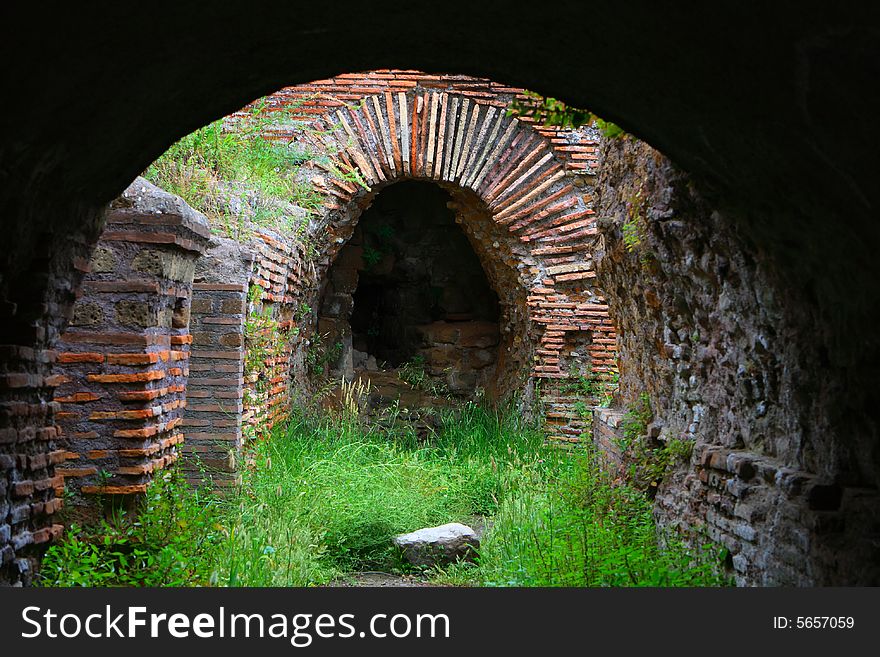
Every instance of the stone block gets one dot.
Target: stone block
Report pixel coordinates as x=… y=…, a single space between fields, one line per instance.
x=87 y=314
x=139 y=314
x=438 y=545
x=204 y=305
x=477 y=334
x=103 y=261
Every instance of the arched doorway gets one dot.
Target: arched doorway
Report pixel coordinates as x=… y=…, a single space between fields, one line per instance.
x=408 y=291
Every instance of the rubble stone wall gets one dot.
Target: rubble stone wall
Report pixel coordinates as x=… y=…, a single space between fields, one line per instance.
x=732 y=360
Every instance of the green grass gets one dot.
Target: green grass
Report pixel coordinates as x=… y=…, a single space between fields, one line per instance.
x=350 y=488
x=571 y=526
x=326 y=496
x=233 y=174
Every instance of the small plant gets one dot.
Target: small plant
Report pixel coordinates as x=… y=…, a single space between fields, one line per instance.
x=638 y=415
x=631 y=237
x=680 y=449
x=170 y=541
x=320 y=355
x=634 y=232
x=590 y=385
x=550 y=111
x=353 y=396
x=609 y=388
x=265 y=341
x=648 y=460
x=583 y=411
x=384 y=232
x=303 y=311
x=414 y=373
x=372 y=257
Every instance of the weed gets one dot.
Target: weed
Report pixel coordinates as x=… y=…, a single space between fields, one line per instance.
x=233 y=173
x=631 y=237
x=372 y=257
x=415 y=374
x=327 y=493
x=320 y=356
x=172 y=540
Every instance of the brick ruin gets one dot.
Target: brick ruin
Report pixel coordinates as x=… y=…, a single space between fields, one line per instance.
x=720 y=357
x=184 y=343
x=521 y=193
x=517 y=196
x=123 y=362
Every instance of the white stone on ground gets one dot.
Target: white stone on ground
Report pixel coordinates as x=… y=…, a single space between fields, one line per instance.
x=438 y=545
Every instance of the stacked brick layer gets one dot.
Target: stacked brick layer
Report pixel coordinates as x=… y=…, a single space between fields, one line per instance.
x=245 y=300
x=214 y=392
x=124 y=360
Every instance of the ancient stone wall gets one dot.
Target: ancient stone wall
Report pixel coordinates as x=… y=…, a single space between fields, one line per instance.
x=534 y=183
x=731 y=363
x=39 y=277
x=123 y=362
x=248 y=354
x=215 y=390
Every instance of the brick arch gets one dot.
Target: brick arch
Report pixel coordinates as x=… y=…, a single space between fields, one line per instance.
x=531 y=183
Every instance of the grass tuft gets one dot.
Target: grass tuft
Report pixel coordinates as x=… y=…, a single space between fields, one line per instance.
x=326 y=495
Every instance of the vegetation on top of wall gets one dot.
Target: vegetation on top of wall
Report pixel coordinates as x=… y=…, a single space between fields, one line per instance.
x=550 y=111
x=232 y=172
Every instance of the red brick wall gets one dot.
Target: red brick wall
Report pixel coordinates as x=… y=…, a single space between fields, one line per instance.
x=534 y=181
x=124 y=360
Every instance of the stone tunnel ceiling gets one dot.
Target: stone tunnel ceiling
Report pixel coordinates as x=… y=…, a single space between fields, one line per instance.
x=771 y=111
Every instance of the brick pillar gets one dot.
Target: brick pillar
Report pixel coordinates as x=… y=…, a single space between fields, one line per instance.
x=36 y=300
x=213 y=418
x=123 y=363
